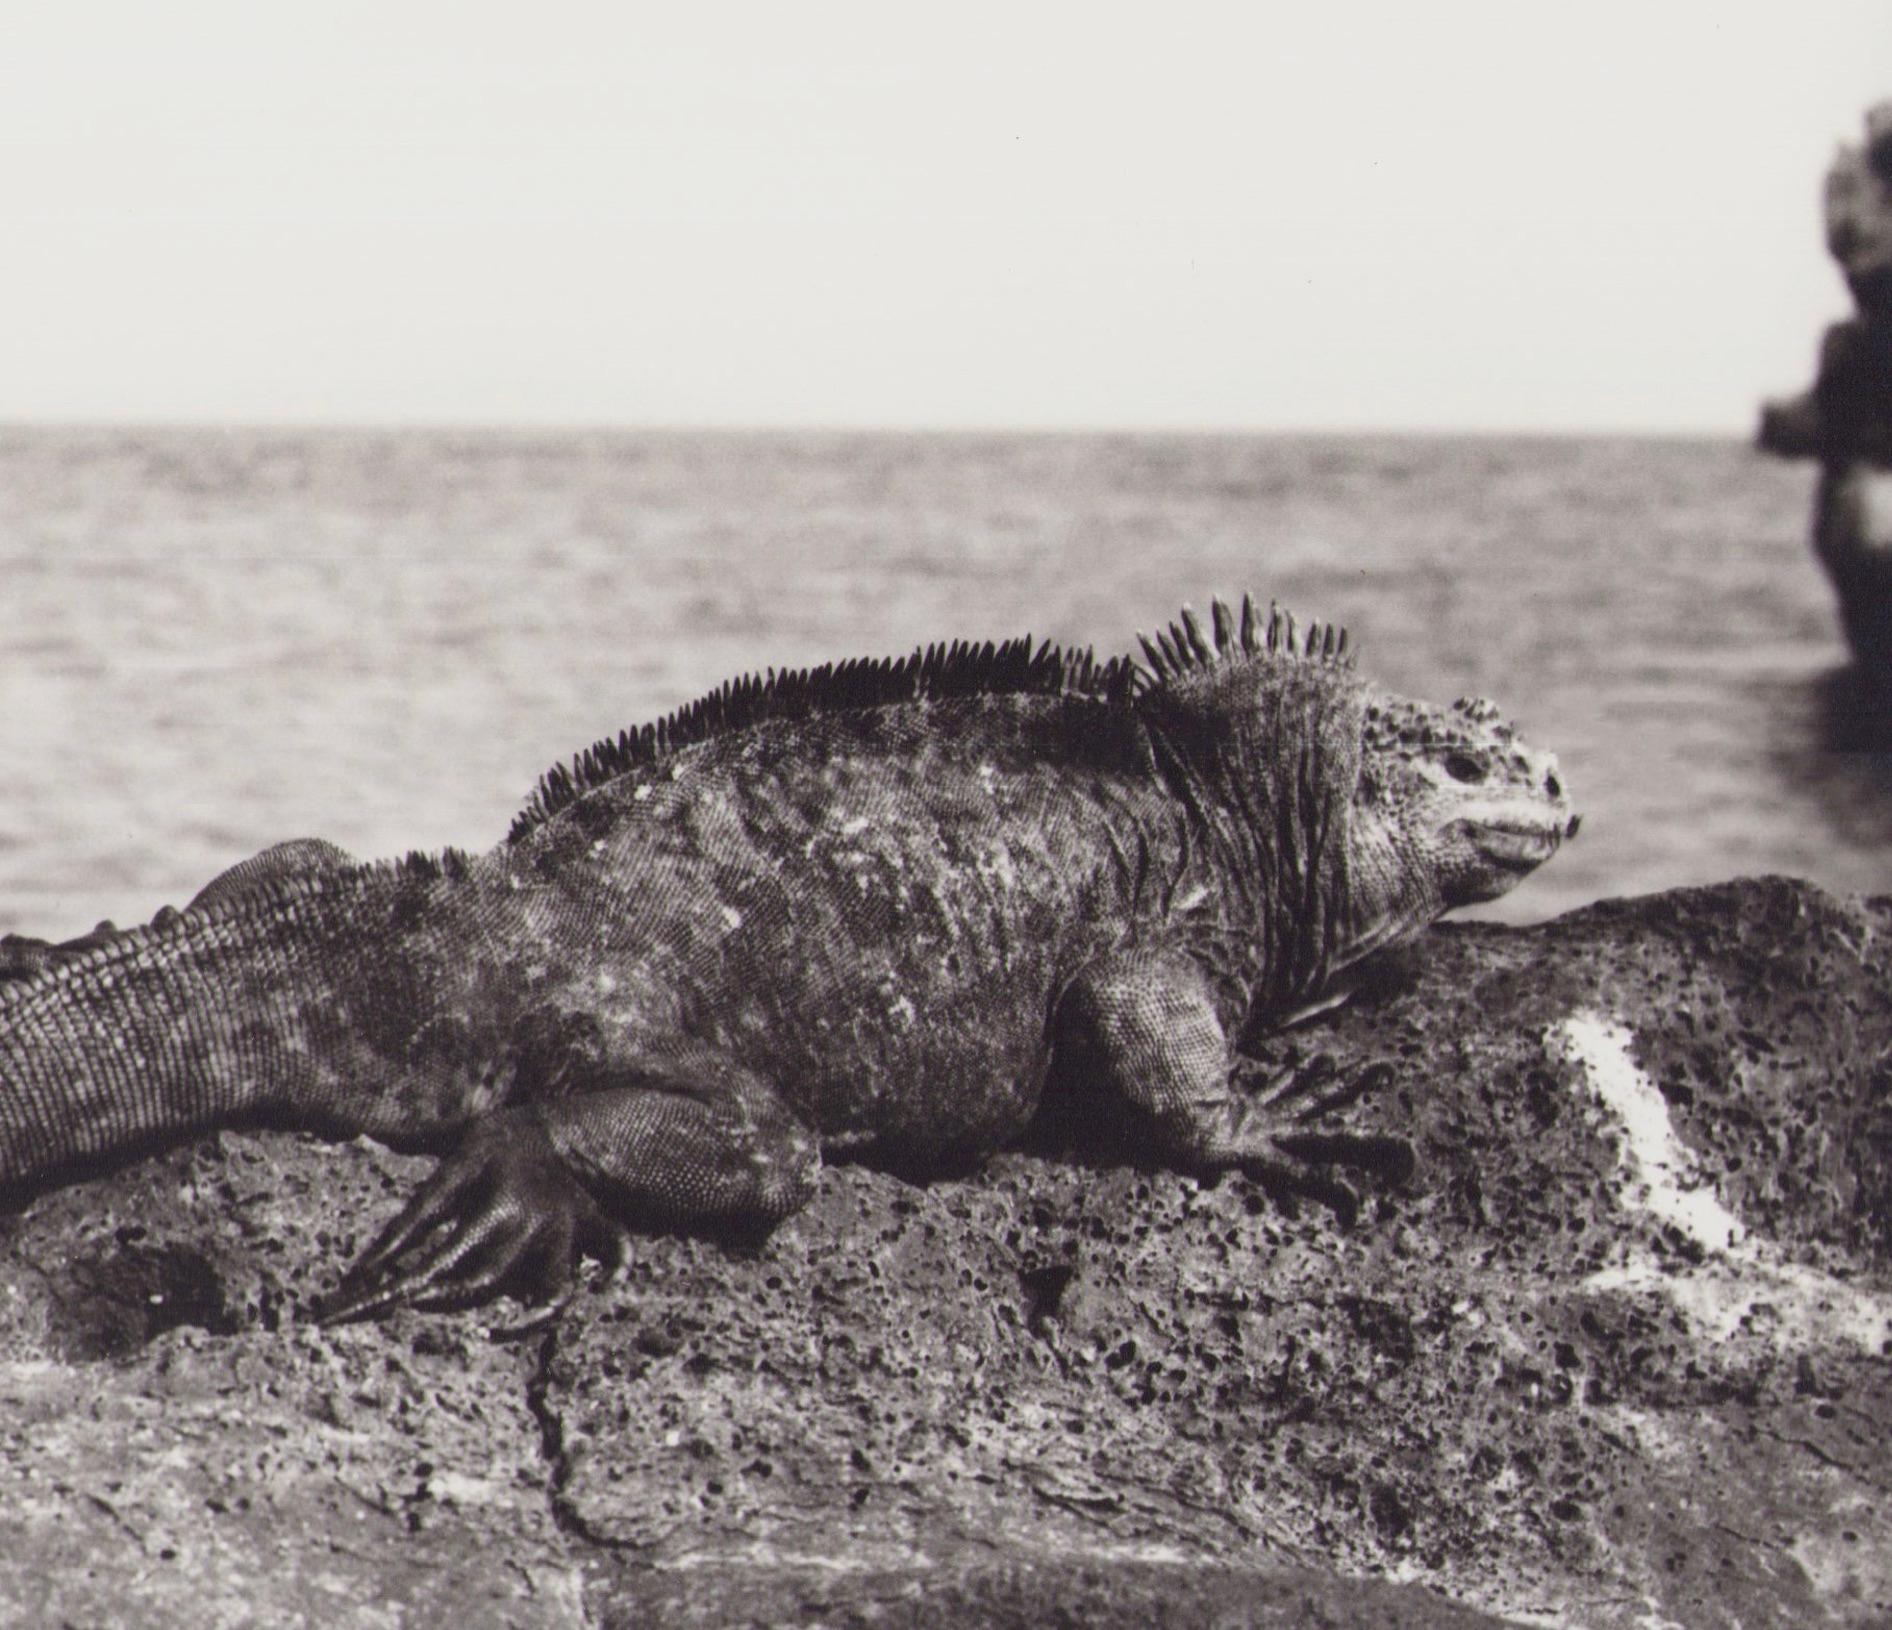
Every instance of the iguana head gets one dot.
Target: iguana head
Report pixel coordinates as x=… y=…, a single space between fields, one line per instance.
x=1451 y=808
x=1433 y=807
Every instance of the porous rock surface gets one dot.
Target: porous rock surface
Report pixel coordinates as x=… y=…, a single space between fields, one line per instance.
x=1617 y=1354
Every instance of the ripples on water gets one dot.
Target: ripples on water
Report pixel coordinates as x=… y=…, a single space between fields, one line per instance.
x=212 y=640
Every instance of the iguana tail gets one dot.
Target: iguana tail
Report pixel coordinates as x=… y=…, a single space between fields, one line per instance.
x=328 y=1000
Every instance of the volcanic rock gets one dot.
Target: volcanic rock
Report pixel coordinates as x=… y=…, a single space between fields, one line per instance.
x=1617 y=1354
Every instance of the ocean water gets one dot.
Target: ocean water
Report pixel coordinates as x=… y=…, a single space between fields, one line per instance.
x=213 y=640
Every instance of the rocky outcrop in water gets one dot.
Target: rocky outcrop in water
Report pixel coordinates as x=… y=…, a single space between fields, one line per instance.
x=1844 y=419
x=1618 y=1354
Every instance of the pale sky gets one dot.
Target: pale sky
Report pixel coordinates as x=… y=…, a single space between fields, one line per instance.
x=1444 y=215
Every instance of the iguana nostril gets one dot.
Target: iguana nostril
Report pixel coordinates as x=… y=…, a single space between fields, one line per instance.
x=1576 y=821
x=1553 y=786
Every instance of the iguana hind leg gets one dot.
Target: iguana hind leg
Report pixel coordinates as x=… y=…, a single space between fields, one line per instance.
x=296 y=858
x=698 y=1142
x=1144 y=1026
x=23 y=957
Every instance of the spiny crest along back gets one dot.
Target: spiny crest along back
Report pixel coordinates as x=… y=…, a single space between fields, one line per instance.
x=1184 y=648
x=962 y=668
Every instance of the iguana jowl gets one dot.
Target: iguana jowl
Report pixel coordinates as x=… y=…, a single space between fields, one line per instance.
x=867 y=907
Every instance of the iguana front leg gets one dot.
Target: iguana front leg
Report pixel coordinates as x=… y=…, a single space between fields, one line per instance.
x=690 y=1141
x=1144 y=1026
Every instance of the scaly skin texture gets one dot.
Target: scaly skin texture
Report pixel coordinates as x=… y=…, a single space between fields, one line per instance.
x=869 y=909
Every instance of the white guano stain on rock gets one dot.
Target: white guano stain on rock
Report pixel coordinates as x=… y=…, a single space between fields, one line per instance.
x=1741 y=1283
x=1669 y=1185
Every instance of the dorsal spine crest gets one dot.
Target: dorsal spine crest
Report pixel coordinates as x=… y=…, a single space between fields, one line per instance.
x=933 y=672
x=962 y=668
x=1184 y=648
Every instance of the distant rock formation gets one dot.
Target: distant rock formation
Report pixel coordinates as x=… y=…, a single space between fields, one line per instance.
x=1859 y=215
x=1845 y=418
x=1852 y=535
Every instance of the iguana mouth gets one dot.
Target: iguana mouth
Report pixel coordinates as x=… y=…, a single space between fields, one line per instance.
x=1517 y=847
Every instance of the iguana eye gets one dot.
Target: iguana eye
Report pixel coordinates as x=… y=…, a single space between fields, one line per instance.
x=1463 y=767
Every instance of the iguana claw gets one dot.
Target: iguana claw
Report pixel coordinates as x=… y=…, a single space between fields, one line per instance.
x=1314 y=1082
x=1289 y=1181
x=500 y=1212
x=1310 y=1153
x=1299 y=1176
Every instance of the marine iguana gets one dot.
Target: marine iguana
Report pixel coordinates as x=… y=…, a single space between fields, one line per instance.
x=870 y=907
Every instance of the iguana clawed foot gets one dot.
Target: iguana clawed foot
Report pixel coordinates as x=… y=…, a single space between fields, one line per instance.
x=1303 y=1167
x=501 y=1212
